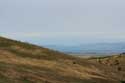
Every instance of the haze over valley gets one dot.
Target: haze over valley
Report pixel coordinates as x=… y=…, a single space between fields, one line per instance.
x=92 y=48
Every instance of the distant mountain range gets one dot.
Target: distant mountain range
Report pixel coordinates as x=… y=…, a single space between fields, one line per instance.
x=97 y=48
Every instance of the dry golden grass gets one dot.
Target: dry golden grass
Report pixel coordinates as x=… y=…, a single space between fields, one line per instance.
x=26 y=63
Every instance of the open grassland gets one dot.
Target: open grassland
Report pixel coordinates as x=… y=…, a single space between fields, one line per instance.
x=27 y=63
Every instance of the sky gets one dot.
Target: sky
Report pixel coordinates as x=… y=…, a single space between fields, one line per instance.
x=63 y=22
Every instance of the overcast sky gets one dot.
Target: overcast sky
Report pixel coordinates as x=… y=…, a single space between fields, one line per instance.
x=63 y=21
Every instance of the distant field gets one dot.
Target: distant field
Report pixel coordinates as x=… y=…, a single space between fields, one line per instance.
x=91 y=55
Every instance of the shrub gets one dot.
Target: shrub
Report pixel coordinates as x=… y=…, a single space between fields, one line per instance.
x=122 y=81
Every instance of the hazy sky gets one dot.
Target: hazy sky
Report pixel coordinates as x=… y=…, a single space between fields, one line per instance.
x=63 y=21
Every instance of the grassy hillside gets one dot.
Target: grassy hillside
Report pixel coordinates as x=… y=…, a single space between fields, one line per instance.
x=26 y=63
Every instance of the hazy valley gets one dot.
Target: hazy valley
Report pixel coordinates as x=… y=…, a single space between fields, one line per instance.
x=91 y=49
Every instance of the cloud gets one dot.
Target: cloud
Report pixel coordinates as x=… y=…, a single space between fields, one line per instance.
x=21 y=35
x=64 y=35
